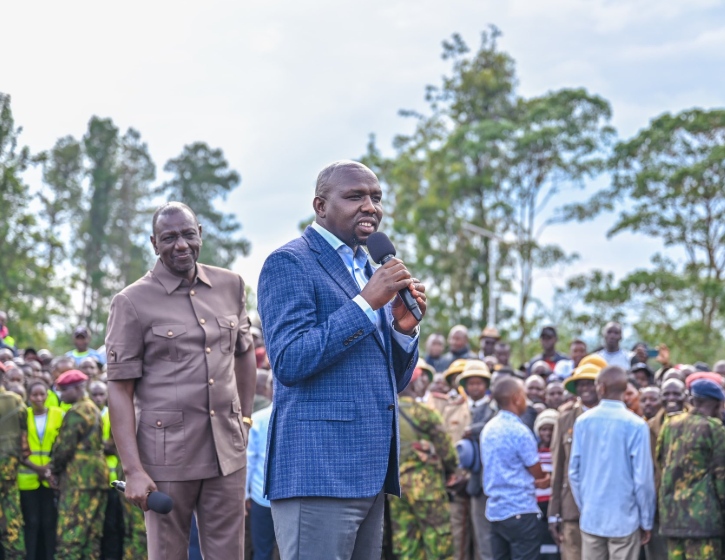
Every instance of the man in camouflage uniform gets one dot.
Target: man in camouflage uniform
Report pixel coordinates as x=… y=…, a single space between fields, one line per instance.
x=78 y=467
x=13 y=451
x=135 y=544
x=420 y=519
x=691 y=454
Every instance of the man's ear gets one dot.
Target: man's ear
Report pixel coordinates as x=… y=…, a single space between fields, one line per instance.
x=319 y=205
x=153 y=242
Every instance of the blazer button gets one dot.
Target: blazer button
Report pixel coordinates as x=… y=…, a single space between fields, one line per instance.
x=346 y=342
x=360 y=332
x=391 y=407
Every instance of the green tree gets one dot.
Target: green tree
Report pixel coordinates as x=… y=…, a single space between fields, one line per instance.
x=62 y=193
x=131 y=212
x=488 y=157
x=669 y=183
x=27 y=290
x=201 y=176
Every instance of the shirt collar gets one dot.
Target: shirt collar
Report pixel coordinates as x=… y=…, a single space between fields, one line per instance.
x=361 y=257
x=609 y=403
x=171 y=282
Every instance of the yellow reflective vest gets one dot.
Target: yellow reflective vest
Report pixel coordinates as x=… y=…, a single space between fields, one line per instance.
x=54 y=401
x=111 y=460
x=39 y=450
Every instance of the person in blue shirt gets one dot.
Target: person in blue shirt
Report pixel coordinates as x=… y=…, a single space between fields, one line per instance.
x=511 y=474
x=611 y=474
x=81 y=340
x=259 y=508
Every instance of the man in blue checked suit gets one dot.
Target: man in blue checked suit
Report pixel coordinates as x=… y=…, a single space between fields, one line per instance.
x=340 y=352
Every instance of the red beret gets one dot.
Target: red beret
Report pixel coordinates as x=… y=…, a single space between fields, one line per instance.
x=712 y=376
x=71 y=377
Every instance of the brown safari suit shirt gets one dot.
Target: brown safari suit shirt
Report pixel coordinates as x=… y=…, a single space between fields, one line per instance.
x=178 y=341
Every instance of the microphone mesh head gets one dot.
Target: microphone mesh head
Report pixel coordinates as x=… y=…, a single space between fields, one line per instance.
x=160 y=502
x=379 y=246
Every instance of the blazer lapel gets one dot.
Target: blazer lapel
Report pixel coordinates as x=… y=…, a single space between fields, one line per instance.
x=332 y=263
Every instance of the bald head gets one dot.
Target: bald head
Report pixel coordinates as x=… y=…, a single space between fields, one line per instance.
x=340 y=171
x=612 y=383
x=508 y=391
x=172 y=208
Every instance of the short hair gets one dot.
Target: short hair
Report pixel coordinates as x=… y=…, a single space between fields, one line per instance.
x=457 y=328
x=505 y=388
x=171 y=208
x=534 y=378
x=36 y=381
x=577 y=341
x=611 y=324
x=324 y=177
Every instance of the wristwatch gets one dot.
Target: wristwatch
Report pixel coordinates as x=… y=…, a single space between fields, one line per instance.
x=247 y=420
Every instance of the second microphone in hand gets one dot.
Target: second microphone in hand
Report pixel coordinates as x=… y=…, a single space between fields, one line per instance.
x=382 y=250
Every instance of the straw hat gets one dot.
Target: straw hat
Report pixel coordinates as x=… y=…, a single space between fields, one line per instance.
x=474 y=368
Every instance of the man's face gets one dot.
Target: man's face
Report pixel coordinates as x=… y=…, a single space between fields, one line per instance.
x=612 y=336
x=577 y=351
x=502 y=353
x=457 y=341
x=651 y=402
x=14 y=375
x=99 y=395
x=177 y=242
x=642 y=378
x=435 y=347
x=90 y=368
x=641 y=353
x=535 y=388
x=586 y=390
x=488 y=346
x=476 y=388
x=72 y=394
x=673 y=397
x=548 y=342
x=439 y=384
x=5 y=355
x=545 y=433
x=80 y=342
x=351 y=206
x=554 y=395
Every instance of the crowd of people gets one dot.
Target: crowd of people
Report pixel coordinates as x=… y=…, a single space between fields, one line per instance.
x=601 y=453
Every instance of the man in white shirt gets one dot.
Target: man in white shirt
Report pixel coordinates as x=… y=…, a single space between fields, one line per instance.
x=612 y=353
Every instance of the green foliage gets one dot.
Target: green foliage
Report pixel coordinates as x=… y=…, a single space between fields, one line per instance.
x=27 y=290
x=202 y=175
x=488 y=157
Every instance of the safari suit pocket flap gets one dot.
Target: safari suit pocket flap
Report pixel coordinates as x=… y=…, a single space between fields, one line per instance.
x=161 y=418
x=168 y=331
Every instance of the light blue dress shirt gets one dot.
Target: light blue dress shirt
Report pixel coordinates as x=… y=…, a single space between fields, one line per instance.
x=508 y=449
x=355 y=264
x=256 y=453
x=610 y=471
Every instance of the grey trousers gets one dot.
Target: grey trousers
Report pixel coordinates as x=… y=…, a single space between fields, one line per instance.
x=219 y=506
x=611 y=548
x=329 y=528
x=481 y=527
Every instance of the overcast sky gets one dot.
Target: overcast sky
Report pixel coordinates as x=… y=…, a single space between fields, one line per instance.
x=285 y=87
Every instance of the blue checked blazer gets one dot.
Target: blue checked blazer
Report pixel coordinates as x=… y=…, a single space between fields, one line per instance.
x=334 y=425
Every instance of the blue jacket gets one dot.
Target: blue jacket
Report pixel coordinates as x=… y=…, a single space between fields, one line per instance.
x=335 y=410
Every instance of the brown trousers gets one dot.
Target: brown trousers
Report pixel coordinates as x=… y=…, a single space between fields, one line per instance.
x=571 y=544
x=611 y=548
x=219 y=506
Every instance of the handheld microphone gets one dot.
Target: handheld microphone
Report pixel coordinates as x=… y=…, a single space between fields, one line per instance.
x=382 y=250
x=157 y=501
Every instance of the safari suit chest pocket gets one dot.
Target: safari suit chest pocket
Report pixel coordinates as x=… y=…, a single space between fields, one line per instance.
x=228 y=325
x=161 y=437
x=169 y=340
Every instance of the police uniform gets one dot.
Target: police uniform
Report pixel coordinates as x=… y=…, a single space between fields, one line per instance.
x=13 y=446
x=178 y=341
x=38 y=499
x=79 y=464
x=420 y=518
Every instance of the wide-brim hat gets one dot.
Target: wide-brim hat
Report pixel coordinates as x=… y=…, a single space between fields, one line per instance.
x=426 y=367
x=490 y=332
x=474 y=368
x=456 y=367
x=595 y=360
x=469 y=456
x=586 y=371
